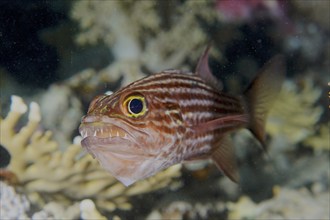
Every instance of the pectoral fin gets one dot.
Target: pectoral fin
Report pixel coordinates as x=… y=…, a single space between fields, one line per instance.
x=226 y=123
x=224 y=158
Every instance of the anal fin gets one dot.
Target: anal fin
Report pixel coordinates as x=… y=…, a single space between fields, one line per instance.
x=225 y=160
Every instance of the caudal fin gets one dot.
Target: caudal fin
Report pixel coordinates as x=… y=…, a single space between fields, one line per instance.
x=261 y=94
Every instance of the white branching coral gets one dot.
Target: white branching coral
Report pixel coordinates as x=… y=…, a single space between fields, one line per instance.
x=12 y=204
x=113 y=21
x=169 y=48
x=154 y=34
x=49 y=174
x=89 y=211
x=143 y=36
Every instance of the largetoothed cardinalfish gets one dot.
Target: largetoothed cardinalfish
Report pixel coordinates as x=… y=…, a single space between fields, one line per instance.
x=173 y=116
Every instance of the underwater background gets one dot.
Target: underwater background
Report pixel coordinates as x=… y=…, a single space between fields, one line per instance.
x=56 y=56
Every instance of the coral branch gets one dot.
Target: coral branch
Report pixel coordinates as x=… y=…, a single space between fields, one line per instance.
x=49 y=174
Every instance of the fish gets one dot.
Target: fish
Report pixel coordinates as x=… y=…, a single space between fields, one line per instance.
x=175 y=116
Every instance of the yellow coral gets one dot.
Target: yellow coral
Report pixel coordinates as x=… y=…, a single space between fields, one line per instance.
x=286 y=204
x=295 y=113
x=89 y=211
x=48 y=174
x=320 y=141
x=244 y=207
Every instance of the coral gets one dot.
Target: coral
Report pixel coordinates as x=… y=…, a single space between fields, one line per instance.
x=169 y=48
x=319 y=141
x=54 y=210
x=122 y=26
x=89 y=82
x=129 y=29
x=61 y=112
x=311 y=46
x=49 y=174
x=317 y=11
x=295 y=114
x=286 y=204
x=187 y=210
x=317 y=168
x=12 y=205
x=111 y=21
x=89 y=211
x=141 y=37
x=16 y=206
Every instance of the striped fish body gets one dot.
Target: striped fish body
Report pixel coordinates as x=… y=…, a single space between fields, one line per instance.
x=184 y=102
x=168 y=118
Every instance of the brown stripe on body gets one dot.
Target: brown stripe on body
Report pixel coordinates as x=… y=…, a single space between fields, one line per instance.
x=198 y=103
x=202 y=145
x=192 y=94
x=184 y=86
x=165 y=79
x=162 y=77
x=176 y=104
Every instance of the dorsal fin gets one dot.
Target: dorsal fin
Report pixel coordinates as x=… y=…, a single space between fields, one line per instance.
x=203 y=70
x=224 y=158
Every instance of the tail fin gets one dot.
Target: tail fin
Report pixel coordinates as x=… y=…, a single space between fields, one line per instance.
x=261 y=93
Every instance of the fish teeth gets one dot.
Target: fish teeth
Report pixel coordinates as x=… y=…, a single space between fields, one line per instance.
x=103 y=132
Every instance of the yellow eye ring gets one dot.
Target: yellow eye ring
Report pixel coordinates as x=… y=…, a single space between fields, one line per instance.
x=135 y=106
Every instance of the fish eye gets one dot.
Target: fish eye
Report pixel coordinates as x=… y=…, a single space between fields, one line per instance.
x=135 y=106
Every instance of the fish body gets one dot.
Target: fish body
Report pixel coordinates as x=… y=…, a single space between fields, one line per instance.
x=171 y=117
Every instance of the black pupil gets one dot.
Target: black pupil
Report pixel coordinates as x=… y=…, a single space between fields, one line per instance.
x=135 y=106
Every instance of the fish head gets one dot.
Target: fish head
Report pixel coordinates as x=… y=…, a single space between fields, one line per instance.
x=132 y=134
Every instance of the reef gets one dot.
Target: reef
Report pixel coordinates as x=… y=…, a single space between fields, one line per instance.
x=286 y=204
x=103 y=46
x=15 y=205
x=45 y=173
x=10 y=200
x=140 y=42
x=130 y=33
x=293 y=118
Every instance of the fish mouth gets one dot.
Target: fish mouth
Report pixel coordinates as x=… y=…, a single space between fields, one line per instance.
x=103 y=131
x=104 y=134
x=120 y=148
